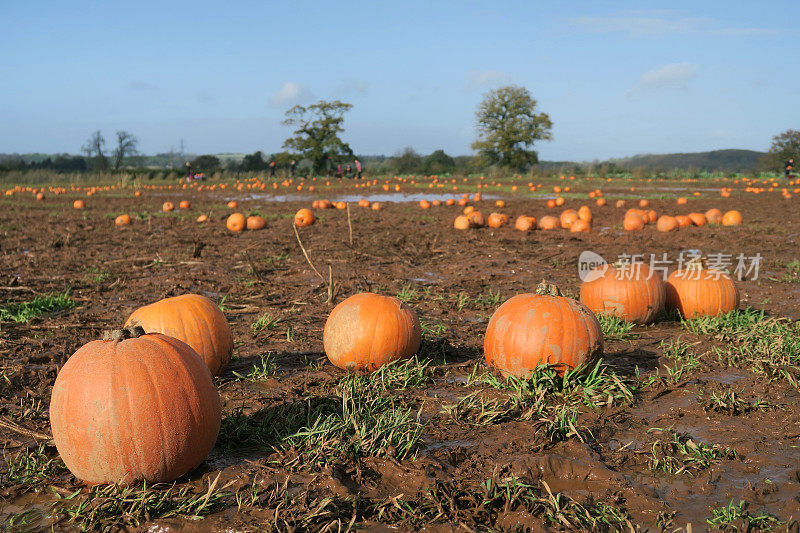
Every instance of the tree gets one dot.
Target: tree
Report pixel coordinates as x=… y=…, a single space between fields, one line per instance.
x=784 y=147
x=508 y=126
x=254 y=162
x=126 y=146
x=316 y=136
x=94 y=151
x=206 y=163
x=406 y=161
x=438 y=163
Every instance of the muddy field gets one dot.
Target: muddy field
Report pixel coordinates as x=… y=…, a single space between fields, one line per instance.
x=688 y=423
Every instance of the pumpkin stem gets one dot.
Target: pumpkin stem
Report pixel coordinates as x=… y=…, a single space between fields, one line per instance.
x=548 y=289
x=130 y=332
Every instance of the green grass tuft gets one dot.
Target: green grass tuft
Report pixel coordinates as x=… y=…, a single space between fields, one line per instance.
x=41 y=305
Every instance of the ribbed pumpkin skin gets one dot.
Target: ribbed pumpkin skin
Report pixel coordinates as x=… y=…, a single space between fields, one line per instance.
x=133 y=410
x=624 y=292
x=532 y=329
x=367 y=331
x=693 y=294
x=195 y=320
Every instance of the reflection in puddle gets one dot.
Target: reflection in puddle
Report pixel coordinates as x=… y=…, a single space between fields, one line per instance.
x=381 y=197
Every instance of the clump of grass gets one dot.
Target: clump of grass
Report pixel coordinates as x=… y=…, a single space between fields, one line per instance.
x=268 y=320
x=730 y=402
x=263 y=369
x=403 y=374
x=434 y=329
x=365 y=422
x=109 y=507
x=725 y=518
x=680 y=454
x=616 y=329
x=764 y=345
x=32 y=466
x=41 y=305
x=408 y=293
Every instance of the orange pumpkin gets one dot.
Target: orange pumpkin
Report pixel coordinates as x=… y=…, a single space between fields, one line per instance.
x=340 y=205
x=361 y=203
x=202 y=218
x=256 y=222
x=462 y=222
x=683 y=221
x=714 y=216
x=477 y=219
x=567 y=218
x=166 y=207
x=450 y=201
x=633 y=222
x=525 y=223
x=436 y=203
x=699 y=291
x=584 y=213
x=619 y=203
x=732 y=218
x=548 y=222
x=236 y=222
x=305 y=217
x=424 y=204
x=632 y=292
x=184 y=204
x=644 y=203
x=600 y=202
x=139 y=408
x=122 y=220
x=367 y=331
x=698 y=219
x=78 y=204
x=666 y=223
x=497 y=220
x=580 y=226
x=193 y=319
x=542 y=328
x=233 y=204
x=376 y=206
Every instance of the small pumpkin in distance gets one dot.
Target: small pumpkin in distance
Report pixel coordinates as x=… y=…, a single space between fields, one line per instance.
x=134 y=408
x=78 y=204
x=236 y=222
x=542 y=328
x=305 y=217
x=122 y=220
x=732 y=218
x=166 y=207
x=255 y=222
x=548 y=222
x=193 y=319
x=367 y=331
x=525 y=223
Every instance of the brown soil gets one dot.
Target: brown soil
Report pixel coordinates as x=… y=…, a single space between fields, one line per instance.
x=48 y=246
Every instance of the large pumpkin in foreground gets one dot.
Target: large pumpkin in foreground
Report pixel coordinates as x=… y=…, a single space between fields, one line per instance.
x=542 y=328
x=699 y=291
x=367 y=331
x=142 y=407
x=195 y=320
x=632 y=292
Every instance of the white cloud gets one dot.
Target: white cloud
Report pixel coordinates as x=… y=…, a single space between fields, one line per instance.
x=290 y=93
x=672 y=76
x=662 y=22
x=482 y=79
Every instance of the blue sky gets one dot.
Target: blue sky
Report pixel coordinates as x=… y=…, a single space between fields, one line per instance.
x=617 y=78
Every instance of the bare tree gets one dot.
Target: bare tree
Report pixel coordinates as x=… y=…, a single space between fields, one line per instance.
x=127 y=144
x=94 y=150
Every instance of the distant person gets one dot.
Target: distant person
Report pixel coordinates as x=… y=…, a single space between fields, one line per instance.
x=272 y=169
x=339 y=171
x=787 y=168
x=358 y=169
x=189 y=172
x=292 y=166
